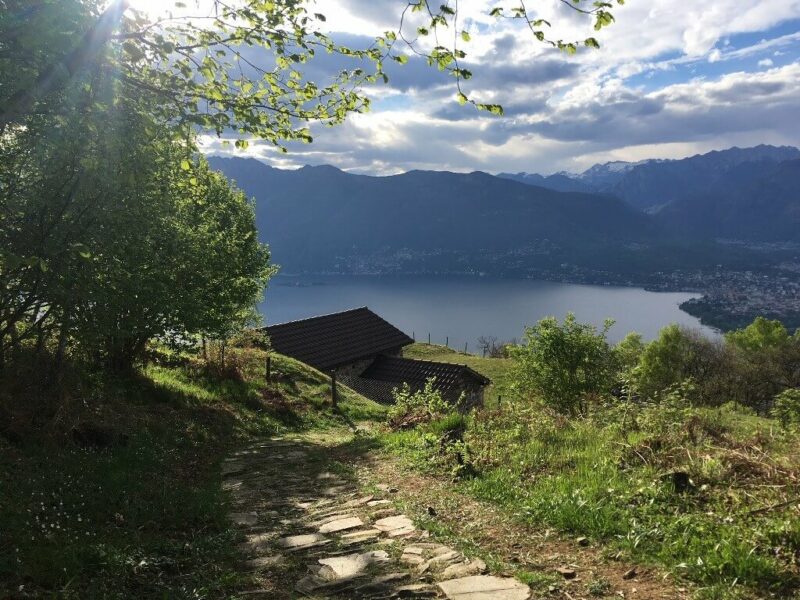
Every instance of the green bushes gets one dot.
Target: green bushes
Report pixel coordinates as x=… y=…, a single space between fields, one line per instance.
x=564 y=364
x=420 y=406
x=570 y=366
x=787 y=408
x=657 y=450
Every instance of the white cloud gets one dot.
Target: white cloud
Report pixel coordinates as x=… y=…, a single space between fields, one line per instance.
x=566 y=113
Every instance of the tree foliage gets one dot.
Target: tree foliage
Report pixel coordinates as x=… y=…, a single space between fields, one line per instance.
x=114 y=233
x=564 y=364
x=236 y=66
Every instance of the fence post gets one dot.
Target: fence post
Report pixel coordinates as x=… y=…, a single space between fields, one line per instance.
x=333 y=389
x=447 y=341
x=465 y=347
x=269 y=368
x=414 y=336
x=429 y=338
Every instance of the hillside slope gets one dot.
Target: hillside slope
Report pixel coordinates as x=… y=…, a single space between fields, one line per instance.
x=321 y=217
x=756 y=201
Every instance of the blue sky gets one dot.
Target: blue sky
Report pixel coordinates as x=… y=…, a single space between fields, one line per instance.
x=672 y=78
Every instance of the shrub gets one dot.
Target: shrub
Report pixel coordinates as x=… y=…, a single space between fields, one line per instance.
x=670 y=413
x=787 y=407
x=629 y=351
x=565 y=363
x=679 y=354
x=420 y=406
x=767 y=360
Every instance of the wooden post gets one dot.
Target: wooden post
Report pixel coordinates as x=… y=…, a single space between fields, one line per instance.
x=333 y=389
x=465 y=347
x=447 y=341
x=413 y=336
x=269 y=368
x=429 y=338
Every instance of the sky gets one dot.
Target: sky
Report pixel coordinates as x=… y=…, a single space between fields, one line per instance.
x=672 y=78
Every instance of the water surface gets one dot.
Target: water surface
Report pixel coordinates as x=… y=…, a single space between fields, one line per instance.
x=461 y=309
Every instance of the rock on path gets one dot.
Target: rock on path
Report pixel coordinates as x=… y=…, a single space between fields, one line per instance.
x=311 y=533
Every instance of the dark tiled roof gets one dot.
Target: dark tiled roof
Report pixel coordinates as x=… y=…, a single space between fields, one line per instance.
x=333 y=340
x=416 y=372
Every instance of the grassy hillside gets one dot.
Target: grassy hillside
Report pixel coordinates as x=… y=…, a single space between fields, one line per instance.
x=120 y=496
x=708 y=494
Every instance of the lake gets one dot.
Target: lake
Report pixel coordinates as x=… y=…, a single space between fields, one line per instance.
x=465 y=308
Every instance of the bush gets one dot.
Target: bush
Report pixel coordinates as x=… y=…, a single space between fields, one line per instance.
x=787 y=407
x=680 y=354
x=564 y=364
x=767 y=362
x=420 y=406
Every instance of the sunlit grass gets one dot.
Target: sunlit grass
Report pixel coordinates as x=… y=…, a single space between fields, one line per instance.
x=583 y=478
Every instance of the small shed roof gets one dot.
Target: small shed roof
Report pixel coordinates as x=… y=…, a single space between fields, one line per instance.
x=330 y=341
x=416 y=372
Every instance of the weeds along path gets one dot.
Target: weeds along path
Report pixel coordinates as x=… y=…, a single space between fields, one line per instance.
x=311 y=531
x=554 y=567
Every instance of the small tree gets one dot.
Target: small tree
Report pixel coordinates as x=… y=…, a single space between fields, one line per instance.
x=679 y=354
x=761 y=334
x=787 y=407
x=564 y=363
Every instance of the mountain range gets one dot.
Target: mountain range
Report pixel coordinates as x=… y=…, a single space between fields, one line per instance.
x=649 y=185
x=618 y=216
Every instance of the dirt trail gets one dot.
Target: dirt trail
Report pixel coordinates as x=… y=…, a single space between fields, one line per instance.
x=313 y=533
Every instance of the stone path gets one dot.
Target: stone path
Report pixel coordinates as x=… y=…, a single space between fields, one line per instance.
x=310 y=533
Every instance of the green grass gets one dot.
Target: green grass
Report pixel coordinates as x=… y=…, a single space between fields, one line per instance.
x=147 y=517
x=496 y=369
x=589 y=477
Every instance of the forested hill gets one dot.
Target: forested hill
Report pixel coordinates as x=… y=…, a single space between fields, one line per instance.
x=318 y=218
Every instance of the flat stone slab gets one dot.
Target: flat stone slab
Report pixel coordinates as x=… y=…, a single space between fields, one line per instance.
x=341 y=525
x=465 y=569
x=356 y=537
x=485 y=587
x=244 y=518
x=358 y=502
x=372 y=503
x=336 y=516
x=395 y=526
x=350 y=565
x=301 y=542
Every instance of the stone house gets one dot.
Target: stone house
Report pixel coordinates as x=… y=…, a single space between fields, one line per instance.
x=365 y=353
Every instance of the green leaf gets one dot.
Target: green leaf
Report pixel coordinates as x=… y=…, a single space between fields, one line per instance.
x=465 y=36
x=186 y=165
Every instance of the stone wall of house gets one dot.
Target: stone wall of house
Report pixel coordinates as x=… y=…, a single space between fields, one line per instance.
x=354 y=369
x=382 y=391
x=473 y=395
